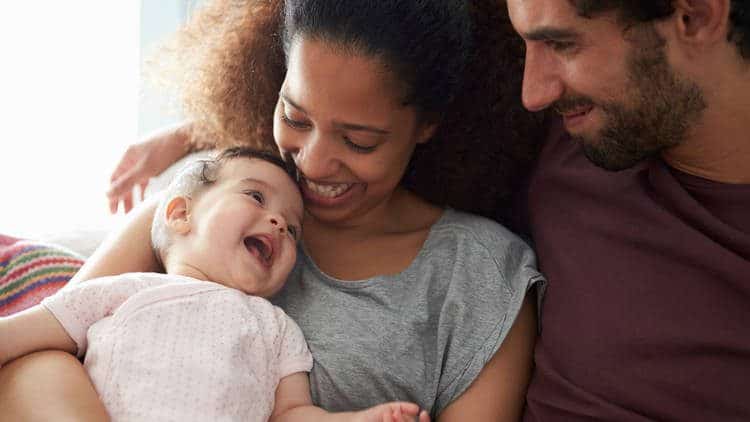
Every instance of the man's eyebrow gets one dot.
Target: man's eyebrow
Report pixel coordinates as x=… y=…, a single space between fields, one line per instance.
x=550 y=33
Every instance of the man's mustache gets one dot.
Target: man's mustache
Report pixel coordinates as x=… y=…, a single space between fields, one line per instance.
x=571 y=103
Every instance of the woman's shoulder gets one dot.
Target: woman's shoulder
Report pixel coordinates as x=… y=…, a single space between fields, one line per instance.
x=460 y=226
x=482 y=249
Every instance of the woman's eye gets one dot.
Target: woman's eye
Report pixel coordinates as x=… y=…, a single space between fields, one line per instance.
x=257 y=196
x=294 y=124
x=358 y=148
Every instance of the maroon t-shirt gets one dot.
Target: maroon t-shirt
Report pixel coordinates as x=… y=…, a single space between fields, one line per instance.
x=647 y=312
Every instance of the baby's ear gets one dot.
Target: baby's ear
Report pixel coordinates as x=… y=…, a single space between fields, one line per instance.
x=178 y=215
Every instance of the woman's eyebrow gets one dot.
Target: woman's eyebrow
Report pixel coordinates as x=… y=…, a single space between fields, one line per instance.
x=292 y=103
x=361 y=128
x=341 y=125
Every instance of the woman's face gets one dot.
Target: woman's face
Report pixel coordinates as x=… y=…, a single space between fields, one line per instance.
x=340 y=116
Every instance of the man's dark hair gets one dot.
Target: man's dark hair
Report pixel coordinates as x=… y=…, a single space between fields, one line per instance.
x=650 y=10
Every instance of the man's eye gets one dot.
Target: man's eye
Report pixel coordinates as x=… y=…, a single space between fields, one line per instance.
x=560 y=46
x=257 y=195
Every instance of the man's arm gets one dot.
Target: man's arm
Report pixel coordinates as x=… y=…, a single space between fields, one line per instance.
x=32 y=330
x=294 y=403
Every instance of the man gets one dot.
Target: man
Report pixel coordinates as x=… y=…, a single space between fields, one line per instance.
x=641 y=215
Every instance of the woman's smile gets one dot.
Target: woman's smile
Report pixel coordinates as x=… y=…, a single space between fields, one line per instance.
x=329 y=190
x=328 y=194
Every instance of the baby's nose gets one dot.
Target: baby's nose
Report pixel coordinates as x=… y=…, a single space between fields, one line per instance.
x=277 y=222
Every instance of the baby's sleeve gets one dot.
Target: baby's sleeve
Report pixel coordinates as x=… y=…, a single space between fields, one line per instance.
x=294 y=356
x=78 y=307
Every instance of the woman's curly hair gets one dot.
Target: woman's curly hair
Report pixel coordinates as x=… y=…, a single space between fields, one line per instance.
x=229 y=64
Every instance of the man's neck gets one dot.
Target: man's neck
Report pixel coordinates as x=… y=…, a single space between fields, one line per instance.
x=718 y=147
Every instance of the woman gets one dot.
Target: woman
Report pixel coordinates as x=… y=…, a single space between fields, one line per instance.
x=398 y=296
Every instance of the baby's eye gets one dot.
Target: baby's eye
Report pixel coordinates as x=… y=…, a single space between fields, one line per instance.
x=257 y=196
x=293 y=232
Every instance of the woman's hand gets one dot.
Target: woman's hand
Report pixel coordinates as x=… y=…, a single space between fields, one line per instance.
x=393 y=412
x=145 y=160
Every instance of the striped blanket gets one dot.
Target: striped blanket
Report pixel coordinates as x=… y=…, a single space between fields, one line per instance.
x=31 y=271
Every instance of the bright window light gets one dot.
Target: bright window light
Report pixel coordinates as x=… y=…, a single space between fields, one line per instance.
x=69 y=106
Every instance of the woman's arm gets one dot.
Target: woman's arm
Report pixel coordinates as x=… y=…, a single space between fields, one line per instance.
x=146 y=159
x=498 y=393
x=126 y=250
x=48 y=386
x=30 y=387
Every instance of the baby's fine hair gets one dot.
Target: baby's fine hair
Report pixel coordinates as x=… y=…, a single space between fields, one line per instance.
x=197 y=176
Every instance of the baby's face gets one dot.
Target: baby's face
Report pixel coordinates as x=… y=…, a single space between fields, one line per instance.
x=245 y=228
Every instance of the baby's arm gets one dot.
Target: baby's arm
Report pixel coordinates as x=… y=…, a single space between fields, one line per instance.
x=294 y=403
x=30 y=331
x=62 y=320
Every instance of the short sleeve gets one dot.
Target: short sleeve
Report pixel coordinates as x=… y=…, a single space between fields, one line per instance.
x=78 y=307
x=492 y=271
x=293 y=353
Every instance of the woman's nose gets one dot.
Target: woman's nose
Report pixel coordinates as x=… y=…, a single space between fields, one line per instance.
x=316 y=158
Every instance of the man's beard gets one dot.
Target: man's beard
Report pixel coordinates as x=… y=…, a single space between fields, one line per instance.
x=659 y=114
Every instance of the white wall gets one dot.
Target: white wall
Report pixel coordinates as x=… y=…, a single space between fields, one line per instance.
x=68 y=108
x=158 y=20
x=71 y=101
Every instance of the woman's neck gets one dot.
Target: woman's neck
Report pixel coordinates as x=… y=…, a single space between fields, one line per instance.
x=386 y=244
x=402 y=212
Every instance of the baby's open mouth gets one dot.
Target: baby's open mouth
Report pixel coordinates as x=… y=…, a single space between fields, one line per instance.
x=261 y=247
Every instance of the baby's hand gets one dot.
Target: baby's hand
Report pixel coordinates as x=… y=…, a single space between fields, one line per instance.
x=393 y=412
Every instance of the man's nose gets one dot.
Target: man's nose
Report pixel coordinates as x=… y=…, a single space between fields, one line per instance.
x=542 y=85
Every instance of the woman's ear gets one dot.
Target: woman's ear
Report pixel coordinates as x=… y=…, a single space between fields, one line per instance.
x=178 y=215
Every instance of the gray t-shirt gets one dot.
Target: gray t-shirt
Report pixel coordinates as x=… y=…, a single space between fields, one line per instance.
x=422 y=335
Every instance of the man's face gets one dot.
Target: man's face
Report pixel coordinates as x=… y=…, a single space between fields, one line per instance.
x=614 y=87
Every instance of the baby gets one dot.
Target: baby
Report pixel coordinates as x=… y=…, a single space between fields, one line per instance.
x=200 y=342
